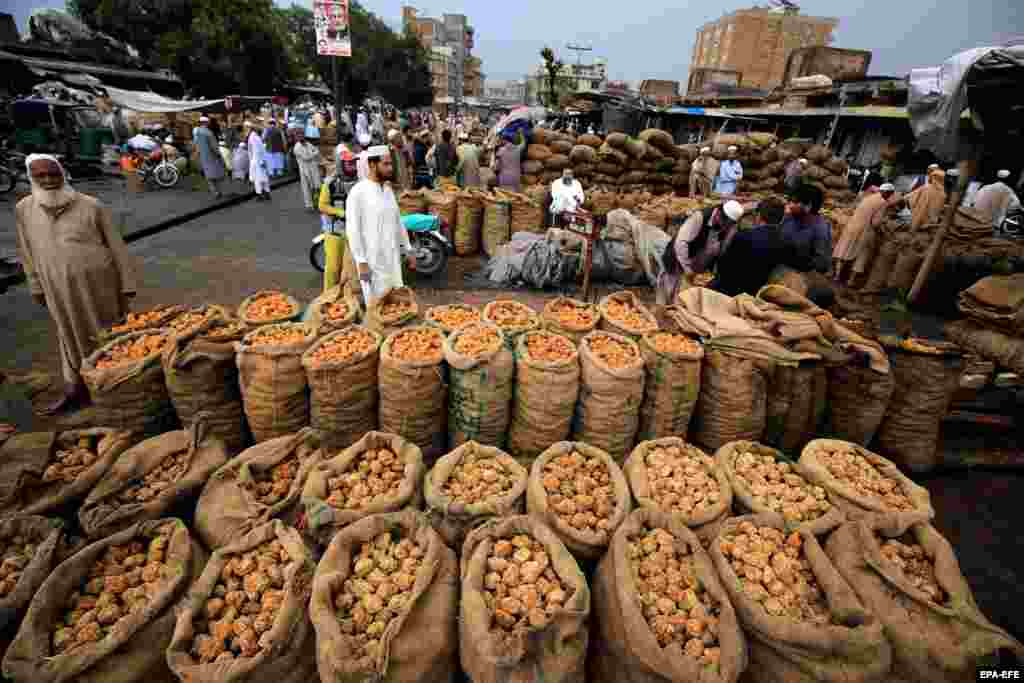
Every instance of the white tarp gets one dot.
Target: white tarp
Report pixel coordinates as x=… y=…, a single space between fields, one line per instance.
x=156 y=104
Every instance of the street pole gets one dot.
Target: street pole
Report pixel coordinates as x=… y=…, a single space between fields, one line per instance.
x=337 y=90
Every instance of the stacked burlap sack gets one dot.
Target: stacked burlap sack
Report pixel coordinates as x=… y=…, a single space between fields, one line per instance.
x=994 y=323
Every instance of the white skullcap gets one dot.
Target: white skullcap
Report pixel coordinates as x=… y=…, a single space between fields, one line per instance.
x=377 y=151
x=364 y=140
x=887 y=187
x=804 y=162
x=705 y=149
x=733 y=148
x=32 y=158
x=169 y=138
x=1003 y=174
x=204 y=119
x=932 y=167
x=733 y=209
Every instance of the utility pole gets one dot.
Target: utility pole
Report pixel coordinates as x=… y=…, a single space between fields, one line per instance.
x=579 y=49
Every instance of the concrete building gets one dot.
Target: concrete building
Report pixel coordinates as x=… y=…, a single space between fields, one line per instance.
x=756 y=42
x=662 y=92
x=456 y=72
x=511 y=92
x=572 y=78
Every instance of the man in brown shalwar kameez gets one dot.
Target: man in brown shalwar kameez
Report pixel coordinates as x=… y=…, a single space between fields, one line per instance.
x=76 y=264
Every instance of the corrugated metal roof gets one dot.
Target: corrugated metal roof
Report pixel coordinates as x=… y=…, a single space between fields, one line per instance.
x=85 y=67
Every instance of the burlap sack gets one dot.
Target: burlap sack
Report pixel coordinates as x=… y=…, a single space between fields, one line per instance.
x=291 y=656
x=944 y=642
x=634 y=333
x=857 y=400
x=435 y=313
x=512 y=332
x=746 y=502
x=544 y=401
x=881 y=267
x=443 y=205
x=156 y=318
x=413 y=398
x=479 y=391
x=343 y=394
x=24 y=458
x=202 y=377
x=453 y=519
x=1006 y=350
x=537 y=152
x=342 y=293
x=797 y=399
x=323 y=520
x=584 y=543
x=134 y=652
x=924 y=388
x=733 y=400
x=671 y=388
x=608 y=411
x=623 y=647
x=851 y=648
x=575 y=332
x=131 y=396
x=526 y=215
x=47 y=536
x=421 y=643
x=230 y=505
x=243 y=310
x=496 y=222
x=855 y=504
x=275 y=393
x=466 y=235
x=386 y=323
x=412 y=201
x=104 y=513
x=555 y=653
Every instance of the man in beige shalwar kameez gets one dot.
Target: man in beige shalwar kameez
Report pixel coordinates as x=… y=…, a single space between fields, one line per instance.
x=857 y=242
x=76 y=264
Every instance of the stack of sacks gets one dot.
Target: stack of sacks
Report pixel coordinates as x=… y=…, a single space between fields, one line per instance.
x=994 y=327
x=824 y=171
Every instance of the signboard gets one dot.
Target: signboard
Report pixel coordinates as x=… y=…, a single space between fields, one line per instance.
x=330 y=17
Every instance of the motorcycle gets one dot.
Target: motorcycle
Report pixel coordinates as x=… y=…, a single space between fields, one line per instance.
x=12 y=169
x=155 y=166
x=1013 y=224
x=430 y=244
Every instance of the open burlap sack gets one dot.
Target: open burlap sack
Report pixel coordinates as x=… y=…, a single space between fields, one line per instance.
x=574 y=330
x=235 y=500
x=421 y=643
x=436 y=315
x=413 y=398
x=608 y=410
x=857 y=401
x=275 y=391
x=454 y=519
x=649 y=324
x=46 y=537
x=531 y=321
x=151 y=319
x=25 y=457
x=131 y=396
x=544 y=400
x=855 y=504
x=554 y=653
x=117 y=502
x=584 y=543
x=850 y=648
x=623 y=646
x=733 y=400
x=245 y=317
x=290 y=657
x=134 y=652
x=339 y=294
x=797 y=399
x=671 y=388
x=323 y=520
x=479 y=390
x=944 y=643
x=384 y=318
x=343 y=394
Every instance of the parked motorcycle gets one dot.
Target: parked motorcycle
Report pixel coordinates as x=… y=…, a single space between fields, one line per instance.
x=155 y=166
x=426 y=233
x=12 y=169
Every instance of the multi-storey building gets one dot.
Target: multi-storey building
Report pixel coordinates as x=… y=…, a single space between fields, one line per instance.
x=511 y=92
x=572 y=78
x=662 y=92
x=456 y=72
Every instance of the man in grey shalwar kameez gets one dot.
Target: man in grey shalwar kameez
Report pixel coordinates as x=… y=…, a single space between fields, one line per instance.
x=209 y=156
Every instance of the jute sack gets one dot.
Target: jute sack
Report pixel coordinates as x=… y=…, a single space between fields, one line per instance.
x=323 y=519
x=608 y=411
x=335 y=309
x=412 y=201
x=25 y=573
x=263 y=483
x=733 y=400
x=624 y=647
x=526 y=215
x=527 y=319
x=289 y=655
x=152 y=319
x=202 y=377
x=421 y=643
x=495 y=231
x=797 y=399
x=537 y=152
x=857 y=400
x=443 y=205
x=436 y=316
x=853 y=502
x=924 y=388
x=908 y=262
x=586 y=318
x=134 y=651
x=850 y=648
x=132 y=490
x=275 y=393
x=647 y=323
x=452 y=518
x=244 y=316
x=131 y=396
x=942 y=642
x=343 y=393
x=584 y=543
x=398 y=308
x=25 y=457
x=749 y=502
x=544 y=399
x=413 y=398
x=671 y=388
x=555 y=652
x=466 y=235
x=479 y=390
x=882 y=266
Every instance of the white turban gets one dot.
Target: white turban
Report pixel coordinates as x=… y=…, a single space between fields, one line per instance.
x=1003 y=174
x=733 y=148
x=733 y=209
x=887 y=187
x=49 y=198
x=376 y=152
x=804 y=162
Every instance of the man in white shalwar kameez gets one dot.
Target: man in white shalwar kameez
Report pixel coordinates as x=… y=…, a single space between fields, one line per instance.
x=259 y=176
x=308 y=157
x=376 y=237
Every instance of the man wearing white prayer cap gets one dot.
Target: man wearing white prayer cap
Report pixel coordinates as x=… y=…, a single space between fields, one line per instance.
x=702 y=171
x=730 y=172
x=376 y=237
x=76 y=264
x=696 y=248
x=997 y=199
x=259 y=169
x=854 y=250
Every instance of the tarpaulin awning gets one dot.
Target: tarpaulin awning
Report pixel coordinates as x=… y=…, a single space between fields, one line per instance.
x=61 y=66
x=157 y=104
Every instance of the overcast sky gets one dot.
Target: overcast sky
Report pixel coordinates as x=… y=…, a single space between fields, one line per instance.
x=654 y=38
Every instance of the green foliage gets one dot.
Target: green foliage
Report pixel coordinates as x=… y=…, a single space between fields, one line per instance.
x=553 y=66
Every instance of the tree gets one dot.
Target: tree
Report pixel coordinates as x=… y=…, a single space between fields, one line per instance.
x=553 y=67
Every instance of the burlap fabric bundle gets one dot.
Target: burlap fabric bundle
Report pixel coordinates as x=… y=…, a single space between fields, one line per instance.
x=434 y=314
x=496 y=222
x=157 y=317
x=341 y=293
x=453 y=519
x=421 y=643
x=608 y=411
x=291 y=656
x=324 y=520
x=413 y=398
x=383 y=322
x=47 y=537
x=584 y=543
x=623 y=647
x=479 y=390
x=202 y=377
x=537 y=152
x=988 y=342
x=104 y=512
x=24 y=458
x=857 y=400
x=275 y=392
x=230 y=507
x=911 y=254
x=575 y=332
x=544 y=400
x=943 y=642
x=855 y=504
x=134 y=652
x=650 y=323
x=850 y=648
x=882 y=266
x=797 y=399
x=131 y=396
x=671 y=388
x=733 y=400
x=555 y=653
x=443 y=205
x=526 y=215
x=512 y=333
x=924 y=388
x=243 y=310
x=412 y=201
x=343 y=394
x=469 y=223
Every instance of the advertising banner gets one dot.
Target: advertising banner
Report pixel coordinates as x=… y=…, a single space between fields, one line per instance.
x=332 y=29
